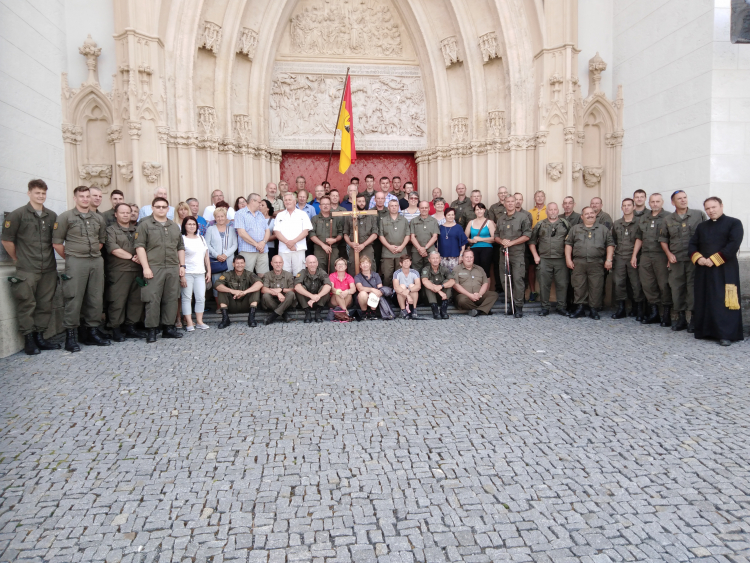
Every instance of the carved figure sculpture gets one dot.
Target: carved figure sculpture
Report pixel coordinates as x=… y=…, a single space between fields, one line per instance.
x=577 y=170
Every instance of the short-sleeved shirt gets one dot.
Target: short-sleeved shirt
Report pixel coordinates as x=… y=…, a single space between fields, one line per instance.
x=495 y=211
x=423 y=228
x=512 y=227
x=590 y=243
x=438 y=278
x=308 y=209
x=404 y=279
x=160 y=240
x=344 y=284
x=32 y=235
x=549 y=238
x=278 y=205
x=648 y=230
x=573 y=219
x=388 y=197
x=623 y=233
x=537 y=215
x=291 y=225
x=284 y=280
x=461 y=207
x=603 y=218
x=394 y=231
x=677 y=231
x=471 y=280
x=82 y=233
x=312 y=282
x=327 y=227
x=451 y=240
x=373 y=281
x=122 y=238
x=367 y=225
x=241 y=282
x=254 y=224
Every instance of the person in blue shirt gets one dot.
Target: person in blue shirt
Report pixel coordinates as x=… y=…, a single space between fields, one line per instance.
x=302 y=204
x=194 y=208
x=319 y=192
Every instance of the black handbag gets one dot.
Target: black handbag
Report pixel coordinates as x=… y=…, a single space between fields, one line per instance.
x=216 y=266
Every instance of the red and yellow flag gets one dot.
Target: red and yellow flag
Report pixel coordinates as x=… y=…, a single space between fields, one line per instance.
x=348 y=153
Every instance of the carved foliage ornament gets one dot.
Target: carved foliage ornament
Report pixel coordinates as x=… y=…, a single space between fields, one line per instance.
x=207 y=119
x=99 y=175
x=449 y=46
x=459 y=130
x=247 y=42
x=126 y=170
x=114 y=134
x=72 y=134
x=151 y=170
x=592 y=175
x=488 y=45
x=210 y=37
x=242 y=125
x=555 y=171
x=596 y=67
x=495 y=123
x=577 y=170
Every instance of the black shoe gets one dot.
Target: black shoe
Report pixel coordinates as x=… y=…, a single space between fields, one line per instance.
x=533 y=297
x=225 y=321
x=666 y=318
x=444 y=310
x=29 y=345
x=270 y=318
x=117 y=335
x=435 y=311
x=251 y=322
x=579 y=312
x=308 y=317
x=594 y=314
x=544 y=312
x=640 y=311
x=318 y=312
x=681 y=323
x=151 y=336
x=691 y=324
x=71 y=345
x=473 y=312
x=286 y=317
x=725 y=342
x=102 y=334
x=653 y=318
x=94 y=339
x=509 y=309
x=562 y=312
x=42 y=344
x=519 y=313
x=170 y=332
x=83 y=336
x=414 y=314
x=633 y=310
x=131 y=332
x=621 y=313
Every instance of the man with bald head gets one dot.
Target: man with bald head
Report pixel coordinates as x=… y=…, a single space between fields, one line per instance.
x=436 y=193
x=320 y=191
x=312 y=286
x=272 y=195
x=461 y=204
x=146 y=210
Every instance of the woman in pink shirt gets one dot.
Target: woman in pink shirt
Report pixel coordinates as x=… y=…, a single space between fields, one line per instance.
x=343 y=285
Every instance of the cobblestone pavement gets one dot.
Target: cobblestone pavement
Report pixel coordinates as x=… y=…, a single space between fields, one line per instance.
x=486 y=439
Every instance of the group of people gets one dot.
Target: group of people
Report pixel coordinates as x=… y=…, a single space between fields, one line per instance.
x=332 y=254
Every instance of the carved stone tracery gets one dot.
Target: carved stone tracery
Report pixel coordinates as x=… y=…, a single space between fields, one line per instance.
x=459 y=130
x=449 y=47
x=207 y=119
x=488 y=45
x=210 y=37
x=247 y=42
x=495 y=123
x=242 y=126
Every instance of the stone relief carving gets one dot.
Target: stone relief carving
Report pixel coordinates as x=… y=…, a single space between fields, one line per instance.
x=488 y=45
x=459 y=130
x=592 y=175
x=541 y=138
x=449 y=46
x=556 y=82
x=91 y=52
x=596 y=67
x=126 y=170
x=134 y=129
x=242 y=125
x=614 y=139
x=151 y=170
x=555 y=171
x=72 y=134
x=207 y=119
x=99 y=175
x=162 y=132
x=247 y=41
x=522 y=142
x=210 y=37
x=114 y=134
x=495 y=123
x=570 y=134
x=346 y=27
x=577 y=170
x=580 y=137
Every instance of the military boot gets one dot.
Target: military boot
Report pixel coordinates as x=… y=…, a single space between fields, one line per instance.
x=640 y=311
x=71 y=345
x=225 y=322
x=594 y=314
x=42 y=344
x=579 y=312
x=151 y=336
x=270 y=318
x=318 y=312
x=131 y=332
x=519 y=313
x=620 y=313
x=308 y=316
x=691 y=324
x=444 y=310
x=435 y=311
x=94 y=339
x=251 y=318
x=681 y=323
x=170 y=332
x=117 y=335
x=666 y=317
x=29 y=345
x=653 y=318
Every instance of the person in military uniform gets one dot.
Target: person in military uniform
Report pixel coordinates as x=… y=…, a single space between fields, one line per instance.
x=437 y=281
x=602 y=217
x=278 y=291
x=511 y=232
x=394 y=236
x=158 y=243
x=652 y=267
x=472 y=285
x=115 y=198
x=676 y=231
x=78 y=236
x=569 y=213
x=589 y=248
x=367 y=232
x=239 y=292
x=369 y=192
x=461 y=204
x=639 y=198
x=547 y=246
x=623 y=233
x=424 y=234
x=27 y=238
x=327 y=232
x=495 y=211
x=312 y=286
x=123 y=268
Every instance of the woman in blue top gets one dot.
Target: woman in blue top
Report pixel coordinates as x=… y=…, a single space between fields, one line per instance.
x=480 y=232
x=451 y=241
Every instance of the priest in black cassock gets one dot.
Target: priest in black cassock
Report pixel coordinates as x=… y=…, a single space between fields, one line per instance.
x=713 y=249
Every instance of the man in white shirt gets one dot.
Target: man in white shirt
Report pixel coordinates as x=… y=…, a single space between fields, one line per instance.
x=291 y=227
x=216 y=197
x=146 y=210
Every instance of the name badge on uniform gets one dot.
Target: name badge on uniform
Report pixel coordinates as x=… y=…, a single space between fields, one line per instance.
x=684 y=225
x=626 y=231
x=652 y=224
x=589 y=235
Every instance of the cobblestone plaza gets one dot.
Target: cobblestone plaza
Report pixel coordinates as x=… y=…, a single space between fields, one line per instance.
x=472 y=439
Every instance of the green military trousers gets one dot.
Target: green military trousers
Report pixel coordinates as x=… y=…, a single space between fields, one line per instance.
x=322 y=257
x=33 y=293
x=681 y=280
x=388 y=266
x=322 y=302
x=433 y=297
x=271 y=303
x=83 y=291
x=587 y=280
x=160 y=296
x=369 y=251
x=623 y=272
x=549 y=270
x=484 y=304
x=517 y=272
x=124 y=294
x=241 y=305
x=654 y=275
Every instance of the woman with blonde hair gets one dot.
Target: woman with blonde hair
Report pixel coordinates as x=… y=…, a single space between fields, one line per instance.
x=181 y=211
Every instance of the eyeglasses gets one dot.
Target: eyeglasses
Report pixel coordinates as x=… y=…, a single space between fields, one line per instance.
x=161 y=207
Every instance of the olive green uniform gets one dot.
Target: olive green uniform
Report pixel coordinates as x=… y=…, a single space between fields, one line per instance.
x=232 y=280
x=124 y=305
x=604 y=219
x=368 y=197
x=437 y=278
x=623 y=233
x=573 y=219
x=472 y=281
x=161 y=242
x=676 y=231
x=652 y=267
x=589 y=252
x=83 y=281
x=496 y=211
x=549 y=239
x=394 y=231
x=109 y=217
x=313 y=283
x=423 y=229
x=367 y=225
x=324 y=228
x=463 y=208
x=284 y=280
x=36 y=270
x=512 y=227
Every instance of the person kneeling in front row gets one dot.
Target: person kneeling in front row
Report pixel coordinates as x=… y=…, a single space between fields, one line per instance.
x=406 y=286
x=437 y=281
x=312 y=286
x=277 y=285
x=238 y=292
x=472 y=286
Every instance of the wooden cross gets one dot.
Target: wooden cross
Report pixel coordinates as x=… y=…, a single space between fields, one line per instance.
x=355 y=214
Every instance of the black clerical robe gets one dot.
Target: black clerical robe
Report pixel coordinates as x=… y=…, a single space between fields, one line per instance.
x=715 y=315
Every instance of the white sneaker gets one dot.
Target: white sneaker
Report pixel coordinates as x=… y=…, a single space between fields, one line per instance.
x=202 y=326
x=190 y=328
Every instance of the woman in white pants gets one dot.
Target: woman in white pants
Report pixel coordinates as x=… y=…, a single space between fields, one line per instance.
x=197 y=273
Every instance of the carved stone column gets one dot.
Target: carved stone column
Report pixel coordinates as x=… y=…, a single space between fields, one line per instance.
x=72 y=137
x=542 y=180
x=134 y=130
x=570 y=136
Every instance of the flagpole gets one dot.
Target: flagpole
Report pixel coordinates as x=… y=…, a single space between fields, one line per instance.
x=335 y=127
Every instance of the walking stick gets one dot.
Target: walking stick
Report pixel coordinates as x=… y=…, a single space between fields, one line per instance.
x=505 y=280
x=510 y=281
